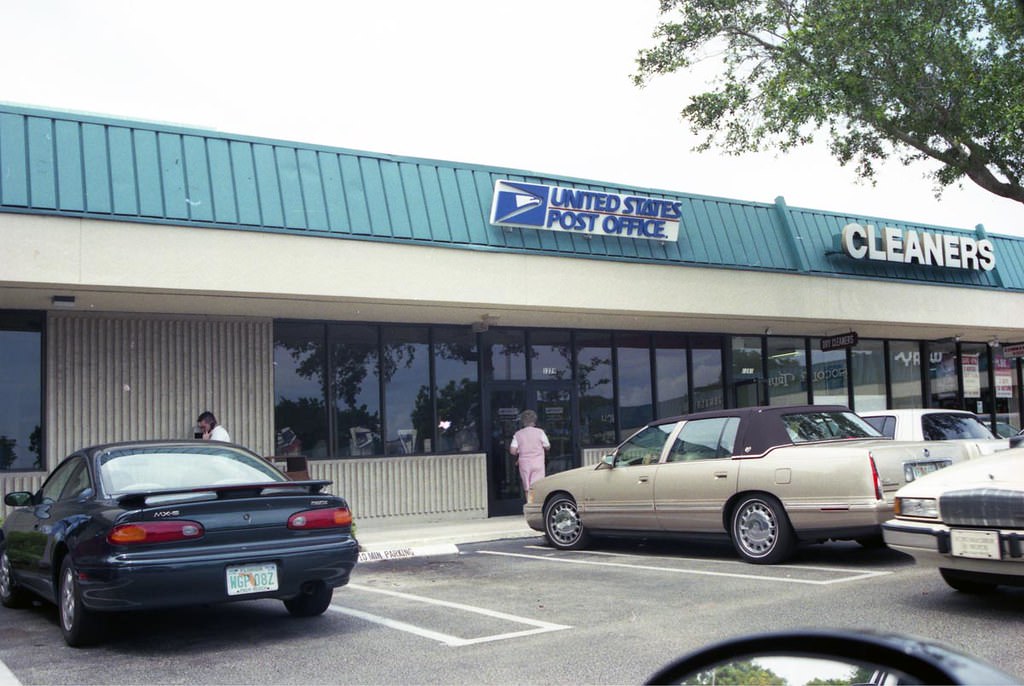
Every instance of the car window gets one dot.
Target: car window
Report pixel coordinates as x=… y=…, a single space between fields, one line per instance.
x=66 y=471
x=806 y=427
x=78 y=482
x=644 y=447
x=884 y=424
x=705 y=439
x=942 y=426
x=136 y=469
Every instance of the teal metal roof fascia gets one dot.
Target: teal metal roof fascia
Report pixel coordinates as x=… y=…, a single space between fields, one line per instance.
x=67 y=164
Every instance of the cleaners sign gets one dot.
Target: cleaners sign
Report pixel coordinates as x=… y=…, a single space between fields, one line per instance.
x=552 y=208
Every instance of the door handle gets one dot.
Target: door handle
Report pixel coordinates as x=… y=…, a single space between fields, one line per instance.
x=642 y=479
x=721 y=475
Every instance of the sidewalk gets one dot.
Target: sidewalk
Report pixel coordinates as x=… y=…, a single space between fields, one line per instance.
x=385 y=540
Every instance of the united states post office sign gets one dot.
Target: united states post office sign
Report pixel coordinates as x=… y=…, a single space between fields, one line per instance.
x=587 y=212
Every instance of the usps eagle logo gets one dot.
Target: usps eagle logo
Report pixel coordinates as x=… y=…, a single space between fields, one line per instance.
x=519 y=204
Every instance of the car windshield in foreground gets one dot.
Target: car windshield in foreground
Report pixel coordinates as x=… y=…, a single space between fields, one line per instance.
x=940 y=426
x=807 y=427
x=137 y=469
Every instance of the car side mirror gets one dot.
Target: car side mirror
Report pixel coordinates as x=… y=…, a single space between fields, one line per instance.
x=18 y=499
x=607 y=461
x=846 y=656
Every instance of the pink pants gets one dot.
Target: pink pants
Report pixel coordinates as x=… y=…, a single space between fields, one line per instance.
x=530 y=471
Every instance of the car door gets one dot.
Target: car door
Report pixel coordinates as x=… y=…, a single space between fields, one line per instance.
x=698 y=476
x=31 y=531
x=623 y=497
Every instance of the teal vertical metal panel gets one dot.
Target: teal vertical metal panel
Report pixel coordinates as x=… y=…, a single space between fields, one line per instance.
x=355 y=196
x=334 y=193
x=376 y=199
x=265 y=163
x=13 y=170
x=292 y=204
x=198 y=193
x=147 y=165
x=96 y=168
x=41 y=167
x=312 y=190
x=247 y=194
x=419 y=218
x=123 y=182
x=70 y=191
x=172 y=173
x=222 y=195
x=395 y=199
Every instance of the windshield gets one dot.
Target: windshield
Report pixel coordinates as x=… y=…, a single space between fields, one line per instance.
x=805 y=427
x=137 y=469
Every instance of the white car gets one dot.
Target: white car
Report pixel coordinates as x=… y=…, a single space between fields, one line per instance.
x=937 y=424
x=967 y=520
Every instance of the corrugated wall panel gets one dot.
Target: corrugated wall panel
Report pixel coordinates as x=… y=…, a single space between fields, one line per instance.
x=126 y=378
x=443 y=485
x=18 y=481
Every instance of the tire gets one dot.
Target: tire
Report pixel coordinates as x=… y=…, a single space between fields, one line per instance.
x=314 y=600
x=80 y=625
x=964 y=584
x=10 y=594
x=562 y=524
x=760 y=530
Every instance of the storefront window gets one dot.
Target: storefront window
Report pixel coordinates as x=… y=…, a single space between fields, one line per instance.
x=1007 y=399
x=977 y=392
x=708 y=391
x=550 y=355
x=21 y=433
x=942 y=375
x=355 y=381
x=867 y=373
x=596 y=391
x=633 y=361
x=458 y=391
x=905 y=374
x=747 y=371
x=300 y=412
x=787 y=371
x=672 y=374
x=408 y=406
x=828 y=377
x=505 y=354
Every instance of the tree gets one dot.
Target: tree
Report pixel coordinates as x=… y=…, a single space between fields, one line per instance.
x=747 y=673
x=911 y=79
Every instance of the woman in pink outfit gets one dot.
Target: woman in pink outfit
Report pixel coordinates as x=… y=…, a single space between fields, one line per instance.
x=529 y=445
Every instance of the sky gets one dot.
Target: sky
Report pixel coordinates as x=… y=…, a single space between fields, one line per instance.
x=534 y=85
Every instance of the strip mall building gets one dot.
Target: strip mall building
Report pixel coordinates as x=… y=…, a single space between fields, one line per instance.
x=389 y=318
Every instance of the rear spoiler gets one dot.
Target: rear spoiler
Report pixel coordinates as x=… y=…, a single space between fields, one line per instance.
x=194 y=494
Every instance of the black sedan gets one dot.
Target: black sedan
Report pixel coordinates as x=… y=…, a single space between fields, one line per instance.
x=141 y=526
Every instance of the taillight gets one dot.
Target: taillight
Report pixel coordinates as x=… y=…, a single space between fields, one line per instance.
x=326 y=518
x=874 y=477
x=155 y=532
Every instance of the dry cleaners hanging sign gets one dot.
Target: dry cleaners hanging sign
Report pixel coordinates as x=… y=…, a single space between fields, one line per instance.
x=552 y=208
x=896 y=245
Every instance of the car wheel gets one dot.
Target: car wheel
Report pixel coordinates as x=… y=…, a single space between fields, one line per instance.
x=760 y=530
x=80 y=625
x=10 y=595
x=966 y=585
x=314 y=600
x=562 y=524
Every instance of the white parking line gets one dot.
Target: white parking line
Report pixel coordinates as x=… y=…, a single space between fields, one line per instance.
x=857 y=574
x=7 y=677
x=454 y=641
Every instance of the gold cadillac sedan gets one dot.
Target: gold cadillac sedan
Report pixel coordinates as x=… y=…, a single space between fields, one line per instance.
x=767 y=477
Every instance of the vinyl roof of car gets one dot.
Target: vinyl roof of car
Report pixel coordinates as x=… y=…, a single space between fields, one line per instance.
x=747 y=411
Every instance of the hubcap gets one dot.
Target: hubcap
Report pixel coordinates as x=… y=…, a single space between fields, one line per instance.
x=5 y=576
x=564 y=523
x=67 y=599
x=756 y=528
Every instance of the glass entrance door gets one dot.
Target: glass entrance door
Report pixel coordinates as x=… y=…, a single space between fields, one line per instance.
x=552 y=401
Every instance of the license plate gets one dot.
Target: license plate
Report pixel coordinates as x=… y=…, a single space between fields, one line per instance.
x=982 y=545
x=255 y=578
x=915 y=470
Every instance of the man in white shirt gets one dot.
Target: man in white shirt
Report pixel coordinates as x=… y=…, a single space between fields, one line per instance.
x=212 y=431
